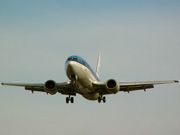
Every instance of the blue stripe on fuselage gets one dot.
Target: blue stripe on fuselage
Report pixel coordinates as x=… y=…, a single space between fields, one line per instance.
x=83 y=62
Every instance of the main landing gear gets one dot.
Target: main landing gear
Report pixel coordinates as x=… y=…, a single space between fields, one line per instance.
x=102 y=98
x=71 y=99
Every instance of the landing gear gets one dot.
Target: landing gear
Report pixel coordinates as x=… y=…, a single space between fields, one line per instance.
x=72 y=100
x=69 y=99
x=102 y=98
x=99 y=99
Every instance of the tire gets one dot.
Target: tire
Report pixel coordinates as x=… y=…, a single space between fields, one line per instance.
x=104 y=99
x=99 y=99
x=67 y=100
x=72 y=100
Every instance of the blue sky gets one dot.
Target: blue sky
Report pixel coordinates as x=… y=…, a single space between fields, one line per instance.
x=139 y=41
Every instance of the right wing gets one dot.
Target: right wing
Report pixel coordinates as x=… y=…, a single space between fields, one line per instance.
x=129 y=86
x=133 y=86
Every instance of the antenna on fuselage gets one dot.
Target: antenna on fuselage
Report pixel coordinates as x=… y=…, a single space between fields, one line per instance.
x=98 y=64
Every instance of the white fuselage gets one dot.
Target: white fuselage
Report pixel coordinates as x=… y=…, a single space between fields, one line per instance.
x=81 y=77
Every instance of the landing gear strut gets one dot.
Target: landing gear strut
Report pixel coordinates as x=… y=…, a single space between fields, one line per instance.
x=69 y=99
x=102 y=98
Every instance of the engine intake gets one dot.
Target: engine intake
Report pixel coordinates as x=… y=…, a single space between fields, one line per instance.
x=50 y=87
x=112 y=86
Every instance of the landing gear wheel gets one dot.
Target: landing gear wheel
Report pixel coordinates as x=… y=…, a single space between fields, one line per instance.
x=104 y=99
x=99 y=99
x=67 y=100
x=72 y=100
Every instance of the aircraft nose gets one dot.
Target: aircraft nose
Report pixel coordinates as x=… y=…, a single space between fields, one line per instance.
x=71 y=70
x=69 y=66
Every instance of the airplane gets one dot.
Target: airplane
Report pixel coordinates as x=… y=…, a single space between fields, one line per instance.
x=84 y=81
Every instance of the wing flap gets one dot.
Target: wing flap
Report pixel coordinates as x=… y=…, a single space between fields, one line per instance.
x=135 y=87
x=38 y=89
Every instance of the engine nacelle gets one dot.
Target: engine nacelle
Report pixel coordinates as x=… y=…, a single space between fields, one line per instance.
x=50 y=87
x=112 y=86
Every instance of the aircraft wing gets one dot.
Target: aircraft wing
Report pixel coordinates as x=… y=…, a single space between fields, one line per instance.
x=28 y=86
x=133 y=86
x=63 y=88
x=130 y=86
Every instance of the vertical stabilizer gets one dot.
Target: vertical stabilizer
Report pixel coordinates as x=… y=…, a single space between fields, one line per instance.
x=98 y=64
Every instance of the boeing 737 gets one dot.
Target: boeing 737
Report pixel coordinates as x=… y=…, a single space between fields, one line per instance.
x=84 y=81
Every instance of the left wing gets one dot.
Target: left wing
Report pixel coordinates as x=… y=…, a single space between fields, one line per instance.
x=28 y=86
x=63 y=88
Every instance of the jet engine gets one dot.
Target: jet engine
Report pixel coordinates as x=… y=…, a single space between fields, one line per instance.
x=50 y=87
x=112 y=86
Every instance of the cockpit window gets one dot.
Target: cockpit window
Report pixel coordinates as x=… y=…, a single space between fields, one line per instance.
x=72 y=58
x=77 y=59
x=68 y=59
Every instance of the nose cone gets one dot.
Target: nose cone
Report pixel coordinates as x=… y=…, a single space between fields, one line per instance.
x=69 y=66
x=70 y=69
